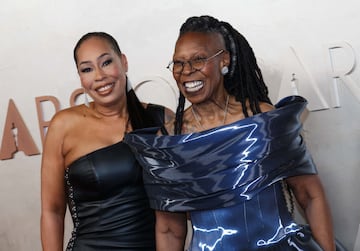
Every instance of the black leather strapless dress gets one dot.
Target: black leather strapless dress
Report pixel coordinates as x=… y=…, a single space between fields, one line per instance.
x=108 y=203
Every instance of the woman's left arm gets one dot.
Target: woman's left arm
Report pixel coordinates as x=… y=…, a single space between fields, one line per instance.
x=310 y=195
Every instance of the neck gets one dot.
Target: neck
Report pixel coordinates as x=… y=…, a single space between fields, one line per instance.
x=213 y=112
x=111 y=111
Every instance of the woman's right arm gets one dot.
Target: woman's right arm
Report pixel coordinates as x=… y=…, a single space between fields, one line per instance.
x=53 y=203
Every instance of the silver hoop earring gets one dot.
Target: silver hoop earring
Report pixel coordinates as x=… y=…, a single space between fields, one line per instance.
x=224 y=70
x=86 y=100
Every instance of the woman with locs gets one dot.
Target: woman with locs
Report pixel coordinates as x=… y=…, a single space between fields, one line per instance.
x=233 y=155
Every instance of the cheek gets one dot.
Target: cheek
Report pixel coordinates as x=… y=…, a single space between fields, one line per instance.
x=179 y=85
x=86 y=81
x=116 y=72
x=213 y=75
x=177 y=78
x=212 y=71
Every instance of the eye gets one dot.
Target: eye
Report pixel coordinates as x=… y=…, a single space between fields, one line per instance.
x=85 y=70
x=106 y=62
x=178 y=63
x=198 y=62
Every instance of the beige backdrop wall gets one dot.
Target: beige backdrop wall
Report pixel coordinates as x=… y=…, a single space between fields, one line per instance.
x=36 y=42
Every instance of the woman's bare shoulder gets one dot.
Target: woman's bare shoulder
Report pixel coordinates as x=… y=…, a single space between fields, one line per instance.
x=265 y=107
x=68 y=116
x=170 y=126
x=169 y=115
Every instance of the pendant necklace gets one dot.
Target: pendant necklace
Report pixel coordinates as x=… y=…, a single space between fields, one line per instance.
x=196 y=116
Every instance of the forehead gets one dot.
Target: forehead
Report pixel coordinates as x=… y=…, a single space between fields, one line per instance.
x=93 y=46
x=192 y=41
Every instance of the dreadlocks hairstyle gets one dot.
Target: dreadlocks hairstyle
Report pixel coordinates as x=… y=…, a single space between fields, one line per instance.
x=244 y=80
x=139 y=117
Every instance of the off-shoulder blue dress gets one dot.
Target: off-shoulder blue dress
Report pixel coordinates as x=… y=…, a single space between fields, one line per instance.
x=230 y=179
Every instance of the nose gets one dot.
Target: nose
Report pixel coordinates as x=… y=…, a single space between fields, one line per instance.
x=187 y=68
x=99 y=74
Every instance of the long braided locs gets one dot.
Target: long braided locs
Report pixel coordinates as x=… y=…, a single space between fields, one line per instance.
x=244 y=80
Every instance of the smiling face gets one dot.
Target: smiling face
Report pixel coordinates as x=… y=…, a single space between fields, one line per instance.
x=102 y=71
x=200 y=85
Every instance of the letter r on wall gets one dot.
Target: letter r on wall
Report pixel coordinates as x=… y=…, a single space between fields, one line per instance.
x=343 y=61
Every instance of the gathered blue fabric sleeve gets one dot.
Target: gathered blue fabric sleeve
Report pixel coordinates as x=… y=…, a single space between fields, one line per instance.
x=223 y=166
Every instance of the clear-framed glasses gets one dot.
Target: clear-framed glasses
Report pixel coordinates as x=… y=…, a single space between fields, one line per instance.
x=196 y=64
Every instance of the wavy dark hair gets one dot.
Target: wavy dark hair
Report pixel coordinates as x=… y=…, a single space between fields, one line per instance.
x=244 y=80
x=138 y=115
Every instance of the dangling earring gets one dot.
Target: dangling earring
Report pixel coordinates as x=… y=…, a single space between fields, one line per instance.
x=224 y=70
x=86 y=100
x=128 y=84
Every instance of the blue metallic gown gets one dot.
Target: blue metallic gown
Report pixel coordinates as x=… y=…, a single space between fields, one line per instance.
x=230 y=179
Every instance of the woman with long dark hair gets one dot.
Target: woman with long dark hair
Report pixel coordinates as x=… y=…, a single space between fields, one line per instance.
x=86 y=164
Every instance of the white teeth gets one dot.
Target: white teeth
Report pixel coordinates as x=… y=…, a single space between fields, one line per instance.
x=104 y=88
x=193 y=86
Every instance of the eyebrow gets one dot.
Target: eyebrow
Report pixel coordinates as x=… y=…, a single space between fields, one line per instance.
x=99 y=57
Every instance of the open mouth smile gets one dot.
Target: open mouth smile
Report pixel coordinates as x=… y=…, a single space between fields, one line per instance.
x=105 y=87
x=193 y=86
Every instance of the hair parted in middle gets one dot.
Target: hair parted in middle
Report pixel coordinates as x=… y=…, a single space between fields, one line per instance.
x=138 y=115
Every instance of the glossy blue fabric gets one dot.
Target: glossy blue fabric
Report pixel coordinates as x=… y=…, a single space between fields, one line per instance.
x=230 y=179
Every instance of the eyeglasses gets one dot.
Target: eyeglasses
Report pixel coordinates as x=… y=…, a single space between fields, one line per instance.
x=196 y=64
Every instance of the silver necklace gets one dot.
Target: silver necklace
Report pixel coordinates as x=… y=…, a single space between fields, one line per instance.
x=196 y=116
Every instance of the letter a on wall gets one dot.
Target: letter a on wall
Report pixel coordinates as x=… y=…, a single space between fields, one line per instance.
x=16 y=136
